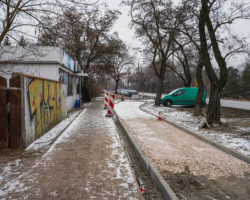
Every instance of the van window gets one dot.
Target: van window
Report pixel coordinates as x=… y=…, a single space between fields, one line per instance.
x=172 y=92
x=179 y=93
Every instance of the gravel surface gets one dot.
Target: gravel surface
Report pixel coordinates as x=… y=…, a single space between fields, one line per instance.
x=194 y=169
x=233 y=133
x=172 y=149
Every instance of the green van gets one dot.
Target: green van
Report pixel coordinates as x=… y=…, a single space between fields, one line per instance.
x=182 y=96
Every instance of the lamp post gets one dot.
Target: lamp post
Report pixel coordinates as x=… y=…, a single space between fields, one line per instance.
x=138 y=73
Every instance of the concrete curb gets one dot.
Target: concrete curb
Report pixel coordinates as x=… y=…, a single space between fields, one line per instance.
x=211 y=142
x=162 y=185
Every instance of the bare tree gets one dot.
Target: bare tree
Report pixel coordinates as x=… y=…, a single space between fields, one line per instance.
x=186 y=57
x=212 y=19
x=118 y=60
x=156 y=24
x=83 y=34
x=16 y=14
x=189 y=30
x=21 y=17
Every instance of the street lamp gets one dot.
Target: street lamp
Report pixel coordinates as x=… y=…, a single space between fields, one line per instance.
x=138 y=73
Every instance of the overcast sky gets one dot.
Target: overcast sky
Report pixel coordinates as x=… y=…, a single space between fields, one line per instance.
x=121 y=25
x=127 y=35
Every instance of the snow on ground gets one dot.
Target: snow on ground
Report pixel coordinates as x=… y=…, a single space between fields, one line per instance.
x=11 y=168
x=124 y=110
x=123 y=168
x=12 y=177
x=186 y=119
x=67 y=133
x=47 y=138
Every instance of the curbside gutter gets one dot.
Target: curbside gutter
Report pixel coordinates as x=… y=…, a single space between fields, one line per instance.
x=209 y=141
x=163 y=186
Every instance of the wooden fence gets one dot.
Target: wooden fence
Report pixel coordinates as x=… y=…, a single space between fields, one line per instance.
x=10 y=113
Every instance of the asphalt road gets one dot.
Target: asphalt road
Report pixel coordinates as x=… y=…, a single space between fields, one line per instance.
x=244 y=105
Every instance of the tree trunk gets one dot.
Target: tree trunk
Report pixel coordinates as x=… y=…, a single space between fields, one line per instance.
x=4 y=32
x=159 y=91
x=116 y=85
x=217 y=84
x=198 y=100
x=213 y=110
x=188 y=75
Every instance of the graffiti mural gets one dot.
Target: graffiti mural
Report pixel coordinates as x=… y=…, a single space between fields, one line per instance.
x=44 y=104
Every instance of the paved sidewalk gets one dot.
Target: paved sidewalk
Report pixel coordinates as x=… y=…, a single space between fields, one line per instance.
x=86 y=162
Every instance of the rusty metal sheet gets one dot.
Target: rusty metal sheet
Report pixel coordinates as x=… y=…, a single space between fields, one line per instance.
x=15 y=113
x=3 y=115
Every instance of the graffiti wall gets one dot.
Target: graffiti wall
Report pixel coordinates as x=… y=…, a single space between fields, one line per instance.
x=45 y=105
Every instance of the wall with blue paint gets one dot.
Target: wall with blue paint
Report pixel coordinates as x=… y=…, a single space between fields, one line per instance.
x=68 y=61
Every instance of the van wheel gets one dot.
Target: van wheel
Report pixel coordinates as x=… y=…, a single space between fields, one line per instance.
x=168 y=103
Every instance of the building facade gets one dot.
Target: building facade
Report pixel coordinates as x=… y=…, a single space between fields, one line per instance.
x=46 y=62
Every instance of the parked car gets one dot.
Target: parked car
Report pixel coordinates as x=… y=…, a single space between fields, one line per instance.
x=126 y=92
x=182 y=96
x=131 y=92
x=119 y=91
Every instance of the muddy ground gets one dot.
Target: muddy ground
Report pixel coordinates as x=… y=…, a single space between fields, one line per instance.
x=189 y=186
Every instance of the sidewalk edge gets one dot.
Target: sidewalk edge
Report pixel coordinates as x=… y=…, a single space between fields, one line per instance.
x=162 y=185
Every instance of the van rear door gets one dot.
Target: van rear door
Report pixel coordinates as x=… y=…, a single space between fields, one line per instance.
x=191 y=96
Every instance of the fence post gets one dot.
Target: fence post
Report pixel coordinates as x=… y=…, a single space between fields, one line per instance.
x=15 y=113
x=3 y=114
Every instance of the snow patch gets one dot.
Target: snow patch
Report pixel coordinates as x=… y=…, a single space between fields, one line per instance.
x=47 y=138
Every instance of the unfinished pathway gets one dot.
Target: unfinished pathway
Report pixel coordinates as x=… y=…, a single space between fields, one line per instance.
x=173 y=151
x=86 y=162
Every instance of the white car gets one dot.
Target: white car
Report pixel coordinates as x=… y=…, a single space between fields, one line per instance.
x=120 y=91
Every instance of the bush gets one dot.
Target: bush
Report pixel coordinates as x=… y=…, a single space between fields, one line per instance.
x=91 y=89
x=95 y=90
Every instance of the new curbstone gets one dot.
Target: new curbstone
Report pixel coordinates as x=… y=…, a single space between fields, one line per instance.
x=163 y=186
x=207 y=140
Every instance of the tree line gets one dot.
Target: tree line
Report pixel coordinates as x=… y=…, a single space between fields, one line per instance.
x=179 y=40
x=196 y=35
x=237 y=86
x=82 y=28
x=238 y=83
